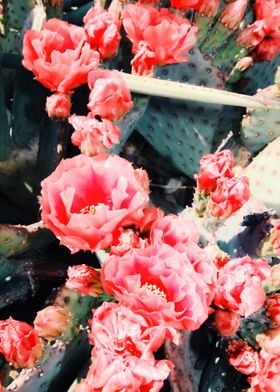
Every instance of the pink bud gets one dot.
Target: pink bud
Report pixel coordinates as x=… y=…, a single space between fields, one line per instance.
x=58 y=106
x=51 y=322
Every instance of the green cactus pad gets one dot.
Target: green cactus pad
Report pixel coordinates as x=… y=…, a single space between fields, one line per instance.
x=260 y=127
x=183 y=131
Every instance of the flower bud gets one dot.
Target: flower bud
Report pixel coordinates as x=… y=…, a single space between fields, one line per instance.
x=51 y=322
x=58 y=106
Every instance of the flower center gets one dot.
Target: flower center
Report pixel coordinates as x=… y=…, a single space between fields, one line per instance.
x=154 y=289
x=91 y=210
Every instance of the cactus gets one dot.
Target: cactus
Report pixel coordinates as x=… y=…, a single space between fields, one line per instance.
x=16 y=239
x=183 y=132
x=263 y=173
x=63 y=359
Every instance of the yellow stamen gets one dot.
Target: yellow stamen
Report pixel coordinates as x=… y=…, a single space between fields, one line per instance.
x=154 y=289
x=88 y=210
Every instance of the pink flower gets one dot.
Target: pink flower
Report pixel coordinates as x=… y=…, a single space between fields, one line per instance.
x=159 y=283
x=267 y=379
x=212 y=168
x=243 y=357
x=239 y=286
x=226 y=323
x=252 y=35
x=51 y=322
x=109 y=98
x=119 y=330
x=58 y=55
x=145 y=23
x=228 y=197
x=86 y=198
x=58 y=106
x=93 y=136
x=233 y=13
x=144 y=61
x=84 y=279
x=114 y=373
x=273 y=308
x=19 y=343
x=175 y=231
x=103 y=31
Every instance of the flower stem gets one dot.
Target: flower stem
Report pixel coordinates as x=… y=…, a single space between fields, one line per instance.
x=177 y=90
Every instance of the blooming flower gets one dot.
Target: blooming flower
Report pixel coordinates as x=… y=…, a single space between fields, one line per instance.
x=122 y=358
x=267 y=379
x=58 y=106
x=19 y=343
x=58 y=55
x=226 y=323
x=243 y=357
x=145 y=23
x=84 y=279
x=213 y=167
x=118 y=329
x=228 y=197
x=160 y=283
x=239 y=286
x=103 y=31
x=132 y=374
x=93 y=136
x=86 y=198
x=109 y=97
x=51 y=322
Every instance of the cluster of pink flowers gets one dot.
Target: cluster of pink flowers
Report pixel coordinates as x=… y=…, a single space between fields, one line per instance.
x=222 y=192
x=63 y=56
x=263 y=34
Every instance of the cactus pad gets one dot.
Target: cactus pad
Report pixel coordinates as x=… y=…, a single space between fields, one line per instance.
x=183 y=131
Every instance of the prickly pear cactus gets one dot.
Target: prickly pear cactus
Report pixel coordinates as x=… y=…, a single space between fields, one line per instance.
x=260 y=127
x=264 y=174
x=183 y=131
